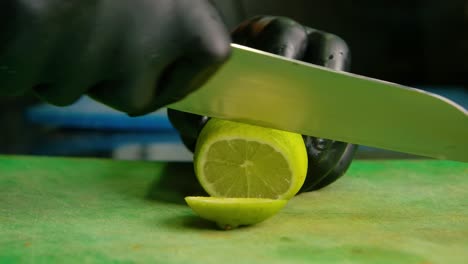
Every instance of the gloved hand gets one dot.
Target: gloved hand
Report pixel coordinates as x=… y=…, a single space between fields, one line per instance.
x=135 y=56
x=327 y=159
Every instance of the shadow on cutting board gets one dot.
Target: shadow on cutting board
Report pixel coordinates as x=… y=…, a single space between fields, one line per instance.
x=177 y=180
x=188 y=222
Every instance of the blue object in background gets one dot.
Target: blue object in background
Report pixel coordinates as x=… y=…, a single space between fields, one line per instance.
x=456 y=94
x=89 y=128
x=89 y=114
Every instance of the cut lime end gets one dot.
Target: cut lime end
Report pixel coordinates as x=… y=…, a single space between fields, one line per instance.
x=240 y=160
x=230 y=213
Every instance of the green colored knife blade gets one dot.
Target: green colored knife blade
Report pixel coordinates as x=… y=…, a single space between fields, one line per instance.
x=259 y=88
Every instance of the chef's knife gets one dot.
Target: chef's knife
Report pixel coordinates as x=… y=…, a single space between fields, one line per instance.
x=260 y=88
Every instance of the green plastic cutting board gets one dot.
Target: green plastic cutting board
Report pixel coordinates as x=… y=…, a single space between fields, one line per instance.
x=102 y=211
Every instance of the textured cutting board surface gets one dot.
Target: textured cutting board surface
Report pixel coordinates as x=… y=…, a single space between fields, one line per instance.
x=77 y=210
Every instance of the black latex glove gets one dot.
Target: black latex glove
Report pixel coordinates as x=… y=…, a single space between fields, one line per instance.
x=327 y=159
x=135 y=56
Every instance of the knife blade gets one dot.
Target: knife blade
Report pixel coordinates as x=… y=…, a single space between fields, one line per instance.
x=268 y=90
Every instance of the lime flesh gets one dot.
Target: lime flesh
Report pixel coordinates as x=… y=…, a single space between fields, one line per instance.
x=240 y=160
x=230 y=213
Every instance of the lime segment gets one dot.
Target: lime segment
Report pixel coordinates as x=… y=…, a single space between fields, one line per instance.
x=229 y=213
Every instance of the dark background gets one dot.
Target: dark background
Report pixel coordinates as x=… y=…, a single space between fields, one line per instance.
x=415 y=43
x=409 y=42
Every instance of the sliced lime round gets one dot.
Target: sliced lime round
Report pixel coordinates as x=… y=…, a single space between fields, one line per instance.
x=229 y=213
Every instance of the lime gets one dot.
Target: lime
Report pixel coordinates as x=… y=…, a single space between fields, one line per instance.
x=234 y=159
x=229 y=213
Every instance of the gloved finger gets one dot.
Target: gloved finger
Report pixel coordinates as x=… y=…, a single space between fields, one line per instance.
x=324 y=155
x=134 y=86
x=131 y=96
x=277 y=35
x=327 y=50
x=20 y=65
x=344 y=161
x=160 y=67
x=187 y=124
x=145 y=50
x=206 y=47
x=80 y=57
